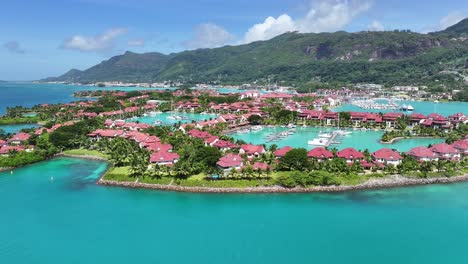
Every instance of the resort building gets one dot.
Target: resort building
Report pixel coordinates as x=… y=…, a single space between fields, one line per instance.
x=416 y=119
x=282 y=151
x=5 y=150
x=387 y=156
x=445 y=151
x=19 y=138
x=164 y=158
x=461 y=146
x=261 y=166
x=320 y=154
x=422 y=154
x=230 y=161
x=251 y=150
x=224 y=145
x=351 y=155
x=390 y=119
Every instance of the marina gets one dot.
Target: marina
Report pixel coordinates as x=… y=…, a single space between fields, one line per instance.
x=344 y=138
x=170 y=118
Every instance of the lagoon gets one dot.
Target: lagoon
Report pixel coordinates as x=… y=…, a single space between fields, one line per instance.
x=166 y=119
x=17 y=128
x=358 y=139
x=426 y=108
x=71 y=220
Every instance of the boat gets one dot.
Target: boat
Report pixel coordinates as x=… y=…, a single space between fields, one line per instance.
x=325 y=135
x=256 y=128
x=145 y=114
x=318 y=142
x=158 y=122
x=243 y=131
x=203 y=113
x=291 y=126
x=172 y=117
x=410 y=108
x=304 y=125
x=343 y=132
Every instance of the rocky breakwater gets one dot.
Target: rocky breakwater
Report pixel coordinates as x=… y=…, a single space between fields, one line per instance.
x=389 y=182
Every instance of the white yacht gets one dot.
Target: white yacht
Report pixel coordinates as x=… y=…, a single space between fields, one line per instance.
x=318 y=142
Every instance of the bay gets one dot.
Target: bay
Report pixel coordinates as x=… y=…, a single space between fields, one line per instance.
x=69 y=219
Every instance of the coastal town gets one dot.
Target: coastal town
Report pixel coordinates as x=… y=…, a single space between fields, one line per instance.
x=190 y=137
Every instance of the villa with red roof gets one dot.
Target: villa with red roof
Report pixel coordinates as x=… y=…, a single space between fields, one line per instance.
x=391 y=118
x=260 y=166
x=230 y=161
x=416 y=119
x=19 y=138
x=350 y=155
x=320 y=153
x=461 y=146
x=4 y=150
x=445 y=151
x=282 y=151
x=387 y=156
x=158 y=147
x=251 y=150
x=224 y=145
x=2 y=142
x=422 y=154
x=164 y=158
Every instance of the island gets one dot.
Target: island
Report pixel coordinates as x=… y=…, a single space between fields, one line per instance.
x=191 y=140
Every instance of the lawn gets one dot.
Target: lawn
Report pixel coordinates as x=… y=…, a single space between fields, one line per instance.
x=85 y=152
x=118 y=174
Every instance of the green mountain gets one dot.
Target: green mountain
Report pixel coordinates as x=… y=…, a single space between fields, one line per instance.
x=390 y=57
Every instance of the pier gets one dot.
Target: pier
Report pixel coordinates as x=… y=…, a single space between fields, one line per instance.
x=280 y=135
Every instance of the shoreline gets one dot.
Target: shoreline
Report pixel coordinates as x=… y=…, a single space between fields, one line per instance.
x=394 y=181
x=88 y=157
x=393 y=140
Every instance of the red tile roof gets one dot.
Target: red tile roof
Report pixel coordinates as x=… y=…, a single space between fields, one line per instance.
x=421 y=152
x=350 y=153
x=320 y=153
x=260 y=166
x=387 y=154
x=461 y=144
x=21 y=136
x=163 y=156
x=252 y=149
x=282 y=151
x=6 y=149
x=444 y=148
x=230 y=160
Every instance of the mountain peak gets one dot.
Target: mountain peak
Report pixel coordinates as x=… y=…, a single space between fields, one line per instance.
x=460 y=28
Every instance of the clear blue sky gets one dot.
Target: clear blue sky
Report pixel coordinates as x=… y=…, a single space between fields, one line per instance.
x=47 y=38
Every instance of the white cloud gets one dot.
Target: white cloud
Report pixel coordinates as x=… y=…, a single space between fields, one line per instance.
x=136 y=43
x=208 y=36
x=270 y=28
x=98 y=43
x=376 y=26
x=450 y=20
x=322 y=16
x=14 y=47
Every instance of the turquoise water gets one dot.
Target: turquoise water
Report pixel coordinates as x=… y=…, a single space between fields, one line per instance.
x=17 y=128
x=358 y=139
x=71 y=220
x=30 y=94
x=425 y=108
x=163 y=117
